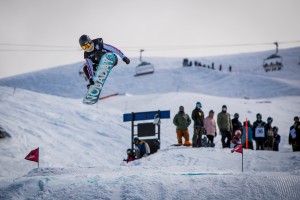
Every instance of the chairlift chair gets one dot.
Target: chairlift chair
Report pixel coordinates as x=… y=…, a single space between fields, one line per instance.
x=144 y=67
x=273 y=62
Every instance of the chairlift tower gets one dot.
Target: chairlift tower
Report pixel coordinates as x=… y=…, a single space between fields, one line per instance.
x=141 y=51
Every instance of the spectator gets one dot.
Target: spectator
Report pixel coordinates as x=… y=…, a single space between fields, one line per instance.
x=182 y=122
x=247 y=134
x=260 y=133
x=225 y=126
x=130 y=156
x=269 y=141
x=142 y=148
x=294 y=136
x=236 y=124
x=210 y=127
x=199 y=130
x=276 y=139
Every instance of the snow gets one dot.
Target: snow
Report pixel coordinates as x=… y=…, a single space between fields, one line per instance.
x=82 y=147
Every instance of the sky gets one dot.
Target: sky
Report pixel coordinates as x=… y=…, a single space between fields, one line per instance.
x=38 y=34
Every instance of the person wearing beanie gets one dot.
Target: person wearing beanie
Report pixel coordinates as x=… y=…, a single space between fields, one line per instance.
x=294 y=136
x=199 y=130
x=260 y=132
x=225 y=126
x=182 y=121
x=210 y=126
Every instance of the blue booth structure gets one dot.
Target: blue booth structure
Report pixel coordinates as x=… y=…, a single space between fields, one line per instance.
x=148 y=131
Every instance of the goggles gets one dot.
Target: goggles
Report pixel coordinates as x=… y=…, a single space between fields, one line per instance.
x=87 y=45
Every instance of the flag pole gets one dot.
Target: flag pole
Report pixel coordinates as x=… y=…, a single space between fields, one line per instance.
x=39 y=157
x=242 y=160
x=247 y=133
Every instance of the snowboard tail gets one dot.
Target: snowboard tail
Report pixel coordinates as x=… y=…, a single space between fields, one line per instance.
x=107 y=62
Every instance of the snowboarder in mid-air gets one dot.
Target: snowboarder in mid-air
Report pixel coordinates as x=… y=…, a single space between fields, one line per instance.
x=100 y=59
x=93 y=52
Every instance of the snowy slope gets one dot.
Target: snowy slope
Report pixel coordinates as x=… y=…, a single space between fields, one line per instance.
x=170 y=76
x=82 y=147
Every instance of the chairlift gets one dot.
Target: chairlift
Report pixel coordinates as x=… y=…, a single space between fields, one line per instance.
x=273 y=62
x=144 y=67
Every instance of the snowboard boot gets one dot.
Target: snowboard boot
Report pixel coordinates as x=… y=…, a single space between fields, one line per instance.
x=91 y=83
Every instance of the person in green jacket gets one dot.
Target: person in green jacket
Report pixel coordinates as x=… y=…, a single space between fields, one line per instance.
x=182 y=121
x=225 y=125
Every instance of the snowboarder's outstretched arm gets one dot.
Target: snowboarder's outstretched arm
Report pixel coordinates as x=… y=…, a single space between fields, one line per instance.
x=116 y=51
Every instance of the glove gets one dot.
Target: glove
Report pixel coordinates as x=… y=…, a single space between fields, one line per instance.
x=126 y=60
x=215 y=134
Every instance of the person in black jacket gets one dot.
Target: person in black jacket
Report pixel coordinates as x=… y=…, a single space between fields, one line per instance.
x=270 y=136
x=93 y=52
x=294 y=136
x=276 y=139
x=236 y=124
x=199 y=130
x=260 y=133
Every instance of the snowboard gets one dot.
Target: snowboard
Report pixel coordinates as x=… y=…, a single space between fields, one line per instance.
x=107 y=62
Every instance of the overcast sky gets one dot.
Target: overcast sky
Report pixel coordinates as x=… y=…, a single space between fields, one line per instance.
x=162 y=27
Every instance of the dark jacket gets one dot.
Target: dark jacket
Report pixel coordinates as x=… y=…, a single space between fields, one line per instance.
x=236 y=124
x=263 y=130
x=296 y=132
x=269 y=130
x=276 y=139
x=276 y=142
x=198 y=118
x=100 y=49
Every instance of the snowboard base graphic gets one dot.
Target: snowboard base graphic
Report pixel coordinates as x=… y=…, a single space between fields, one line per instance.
x=107 y=62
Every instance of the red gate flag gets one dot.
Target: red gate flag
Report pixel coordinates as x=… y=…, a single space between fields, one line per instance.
x=33 y=155
x=238 y=148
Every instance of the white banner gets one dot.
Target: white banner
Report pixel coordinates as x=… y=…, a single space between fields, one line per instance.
x=260 y=132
